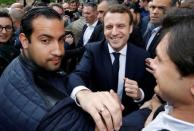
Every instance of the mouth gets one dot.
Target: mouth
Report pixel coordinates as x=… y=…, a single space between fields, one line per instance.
x=154 y=18
x=115 y=38
x=56 y=61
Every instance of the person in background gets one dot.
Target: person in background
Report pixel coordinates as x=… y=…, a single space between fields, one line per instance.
x=7 y=50
x=173 y=69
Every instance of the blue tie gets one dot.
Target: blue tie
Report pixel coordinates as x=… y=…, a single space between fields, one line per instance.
x=115 y=68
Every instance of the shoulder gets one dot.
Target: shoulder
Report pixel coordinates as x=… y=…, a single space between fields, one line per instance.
x=95 y=45
x=137 y=51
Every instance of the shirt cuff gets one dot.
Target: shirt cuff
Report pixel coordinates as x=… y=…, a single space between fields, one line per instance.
x=75 y=91
x=142 y=96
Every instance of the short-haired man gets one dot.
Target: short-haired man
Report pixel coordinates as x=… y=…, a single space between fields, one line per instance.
x=152 y=33
x=103 y=6
x=32 y=83
x=99 y=70
x=92 y=30
x=173 y=68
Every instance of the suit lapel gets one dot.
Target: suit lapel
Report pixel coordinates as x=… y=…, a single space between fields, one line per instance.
x=129 y=72
x=107 y=64
x=96 y=32
x=129 y=63
x=153 y=43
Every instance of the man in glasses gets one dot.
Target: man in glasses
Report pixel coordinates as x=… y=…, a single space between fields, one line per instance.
x=7 y=50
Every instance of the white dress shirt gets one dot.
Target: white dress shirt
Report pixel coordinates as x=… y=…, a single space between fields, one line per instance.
x=88 y=32
x=122 y=63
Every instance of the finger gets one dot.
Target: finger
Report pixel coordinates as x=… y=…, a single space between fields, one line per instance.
x=115 y=110
x=148 y=60
x=132 y=95
x=150 y=70
x=117 y=98
x=97 y=119
x=129 y=81
x=132 y=92
x=106 y=114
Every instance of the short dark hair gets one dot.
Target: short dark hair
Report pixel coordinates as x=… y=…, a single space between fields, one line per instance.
x=118 y=8
x=5 y=14
x=91 y=4
x=29 y=16
x=179 y=23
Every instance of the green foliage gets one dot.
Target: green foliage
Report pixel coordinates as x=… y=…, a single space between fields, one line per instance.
x=7 y=2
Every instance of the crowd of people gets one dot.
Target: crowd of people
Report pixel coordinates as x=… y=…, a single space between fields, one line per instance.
x=97 y=66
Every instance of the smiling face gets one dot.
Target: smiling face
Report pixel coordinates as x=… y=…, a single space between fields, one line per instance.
x=46 y=48
x=117 y=29
x=5 y=35
x=171 y=86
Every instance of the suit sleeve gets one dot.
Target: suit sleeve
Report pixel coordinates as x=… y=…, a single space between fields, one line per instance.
x=82 y=73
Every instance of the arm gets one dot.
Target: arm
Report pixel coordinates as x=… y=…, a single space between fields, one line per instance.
x=104 y=107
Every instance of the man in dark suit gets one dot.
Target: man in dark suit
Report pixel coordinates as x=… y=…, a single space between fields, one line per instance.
x=96 y=72
x=152 y=34
x=93 y=29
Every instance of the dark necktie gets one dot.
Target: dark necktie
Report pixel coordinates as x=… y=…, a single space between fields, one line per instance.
x=115 y=70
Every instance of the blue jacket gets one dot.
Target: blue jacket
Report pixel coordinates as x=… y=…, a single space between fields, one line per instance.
x=35 y=99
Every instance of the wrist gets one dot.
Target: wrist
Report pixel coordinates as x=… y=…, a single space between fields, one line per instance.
x=81 y=94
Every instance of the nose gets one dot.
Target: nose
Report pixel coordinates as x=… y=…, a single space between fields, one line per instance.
x=100 y=15
x=114 y=30
x=58 y=49
x=3 y=30
x=155 y=10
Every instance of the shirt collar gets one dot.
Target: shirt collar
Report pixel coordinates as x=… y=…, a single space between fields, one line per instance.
x=93 y=25
x=123 y=51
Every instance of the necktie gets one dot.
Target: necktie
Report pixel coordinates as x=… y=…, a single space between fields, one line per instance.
x=115 y=68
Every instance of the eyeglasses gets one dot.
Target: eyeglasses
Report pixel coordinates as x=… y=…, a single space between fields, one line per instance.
x=8 y=28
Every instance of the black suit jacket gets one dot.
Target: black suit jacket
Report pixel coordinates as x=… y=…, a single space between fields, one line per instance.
x=95 y=72
x=97 y=35
x=154 y=43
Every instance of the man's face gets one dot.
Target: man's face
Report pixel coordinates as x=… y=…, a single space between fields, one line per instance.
x=47 y=43
x=157 y=10
x=66 y=6
x=102 y=7
x=143 y=4
x=73 y=6
x=171 y=86
x=89 y=14
x=117 y=29
x=6 y=32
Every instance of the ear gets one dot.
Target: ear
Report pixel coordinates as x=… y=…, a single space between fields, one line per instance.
x=24 y=41
x=130 y=28
x=192 y=87
x=192 y=90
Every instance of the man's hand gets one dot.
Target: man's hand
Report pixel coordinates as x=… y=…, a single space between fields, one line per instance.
x=104 y=107
x=132 y=90
x=148 y=64
x=69 y=39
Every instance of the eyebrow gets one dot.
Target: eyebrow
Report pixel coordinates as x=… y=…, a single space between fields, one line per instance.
x=49 y=36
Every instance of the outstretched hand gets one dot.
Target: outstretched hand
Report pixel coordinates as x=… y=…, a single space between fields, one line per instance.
x=104 y=107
